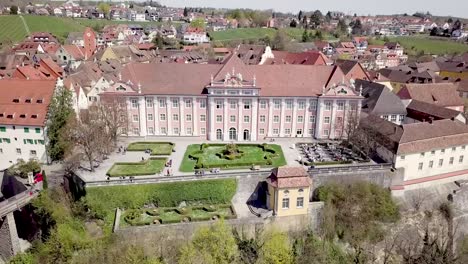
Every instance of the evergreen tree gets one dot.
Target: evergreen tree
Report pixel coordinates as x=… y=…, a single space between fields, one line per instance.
x=45 y=184
x=60 y=111
x=304 y=22
x=299 y=16
x=185 y=12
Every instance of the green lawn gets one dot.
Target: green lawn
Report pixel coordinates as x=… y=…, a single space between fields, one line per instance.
x=11 y=30
x=60 y=27
x=414 y=44
x=253 y=154
x=157 y=148
x=149 y=167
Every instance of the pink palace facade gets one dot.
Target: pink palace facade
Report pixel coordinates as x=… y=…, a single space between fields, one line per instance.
x=236 y=102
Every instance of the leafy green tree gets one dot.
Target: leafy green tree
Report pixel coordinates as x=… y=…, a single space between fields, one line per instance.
x=309 y=249
x=280 y=40
x=104 y=8
x=276 y=250
x=198 y=23
x=23 y=258
x=319 y=35
x=13 y=10
x=22 y=168
x=356 y=27
x=305 y=36
x=159 y=41
x=214 y=245
x=342 y=28
x=60 y=111
x=316 y=18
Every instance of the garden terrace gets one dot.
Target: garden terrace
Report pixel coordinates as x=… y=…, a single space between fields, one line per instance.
x=150 y=166
x=157 y=148
x=328 y=154
x=207 y=156
x=102 y=201
x=168 y=215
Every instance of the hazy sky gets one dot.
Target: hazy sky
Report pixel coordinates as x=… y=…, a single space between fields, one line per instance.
x=363 y=7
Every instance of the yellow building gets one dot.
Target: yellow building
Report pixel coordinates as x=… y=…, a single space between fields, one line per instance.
x=288 y=191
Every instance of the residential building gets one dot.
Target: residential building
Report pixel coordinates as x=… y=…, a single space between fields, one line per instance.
x=289 y=191
x=424 y=153
x=195 y=36
x=441 y=94
x=418 y=111
x=380 y=101
x=23 y=116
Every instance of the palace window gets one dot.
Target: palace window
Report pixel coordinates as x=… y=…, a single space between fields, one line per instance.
x=149 y=103
x=299 y=131
x=312 y=119
x=163 y=130
x=175 y=117
x=300 y=119
x=261 y=131
x=202 y=104
x=247 y=104
x=175 y=103
x=188 y=131
x=287 y=131
x=288 y=119
x=188 y=103
x=277 y=104
x=150 y=117
x=232 y=104
x=150 y=130
x=262 y=119
x=219 y=104
x=246 y=119
x=341 y=105
x=263 y=104
x=275 y=131
x=301 y=105
x=188 y=118
x=289 y=104
x=203 y=131
x=328 y=105
x=202 y=118
x=136 y=131
x=275 y=119
x=162 y=103
x=135 y=118
x=232 y=118
x=134 y=103
x=219 y=118
x=175 y=130
x=162 y=117
x=326 y=120
x=313 y=105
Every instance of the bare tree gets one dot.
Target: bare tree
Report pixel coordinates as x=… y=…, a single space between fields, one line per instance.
x=86 y=134
x=113 y=112
x=351 y=123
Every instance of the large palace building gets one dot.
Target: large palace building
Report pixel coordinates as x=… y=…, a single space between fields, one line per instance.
x=236 y=102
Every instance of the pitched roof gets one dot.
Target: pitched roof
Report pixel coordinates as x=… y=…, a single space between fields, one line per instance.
x=379 y=100
x=303 y=58
x=423 y=111
x=272 y=80
x=416 y=137
x=78 y=53
x=289 y=177
x=15 y=110
x=442 y=94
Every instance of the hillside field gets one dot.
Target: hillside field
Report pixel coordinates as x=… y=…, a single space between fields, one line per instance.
x=415 y=44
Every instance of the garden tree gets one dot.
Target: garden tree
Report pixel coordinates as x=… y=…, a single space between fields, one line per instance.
x=213 y=245
x=309 y=249
x=280 y=40
x=299 y=16
x=305 y=24
x=60 y=111
x=293 y=23
x=88 y=135
x=159 y=41
x=198 y=23
x=457 y=25
x=105 y=9
x=351 y=123
x=22 y=168
x=112 y=111
x=328 y=16
x=45 y=183
x=185 y=12
x=305 y=36
x=260 y=19
x=318 y=35
x=316 y=18
x=342 y=28
x=276 y=249
x=361 y=210
x=356 y=27
x=248 y=247
x=13 y=10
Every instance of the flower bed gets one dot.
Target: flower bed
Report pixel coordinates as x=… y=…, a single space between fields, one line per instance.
x=157 y=148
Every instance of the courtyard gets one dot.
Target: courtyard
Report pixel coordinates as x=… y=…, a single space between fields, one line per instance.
x=231 y=156
x=328 y=153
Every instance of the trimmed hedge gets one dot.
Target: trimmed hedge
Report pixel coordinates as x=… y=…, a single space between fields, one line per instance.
x=134 y=147
x=114 y=172
x=103 y=200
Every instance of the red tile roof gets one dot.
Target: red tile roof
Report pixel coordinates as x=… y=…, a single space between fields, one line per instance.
x=289 y=177
x=14 y=106
x=442 y=94
x=78 y=53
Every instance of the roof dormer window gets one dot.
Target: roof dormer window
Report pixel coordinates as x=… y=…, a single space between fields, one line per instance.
x=28 y=101
x=39 y=101
x=16 y=100
x=22 y=116
x=10 y=116
x=34 y=116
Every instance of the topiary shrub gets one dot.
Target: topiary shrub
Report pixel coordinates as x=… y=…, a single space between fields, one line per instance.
x=210 y=208
x=131 y=216
x=153 y=212
x=184 y=210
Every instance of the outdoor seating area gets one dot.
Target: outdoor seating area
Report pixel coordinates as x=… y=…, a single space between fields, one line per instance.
x=313 y=154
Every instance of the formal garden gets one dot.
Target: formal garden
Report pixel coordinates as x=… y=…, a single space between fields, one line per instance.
x=231 y=156
x=155 y=148
x=150 y=166
x=169 y=215
x=163 y=202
